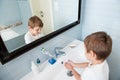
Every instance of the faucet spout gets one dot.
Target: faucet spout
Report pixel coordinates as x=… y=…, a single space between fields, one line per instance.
x=58 y=51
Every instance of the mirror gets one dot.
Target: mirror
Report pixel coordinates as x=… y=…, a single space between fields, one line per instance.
x=57 y=17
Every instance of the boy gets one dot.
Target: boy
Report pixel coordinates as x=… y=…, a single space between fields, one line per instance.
x=35 y=26
x=98 y=47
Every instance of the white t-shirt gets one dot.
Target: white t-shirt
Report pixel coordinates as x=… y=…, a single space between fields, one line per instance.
x=96 y=72
x=29 y=38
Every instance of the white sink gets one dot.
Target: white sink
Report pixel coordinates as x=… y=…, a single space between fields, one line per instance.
x=57 y=71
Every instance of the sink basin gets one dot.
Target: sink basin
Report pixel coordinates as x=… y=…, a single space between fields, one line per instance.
x=57 y=71
x=76 y=55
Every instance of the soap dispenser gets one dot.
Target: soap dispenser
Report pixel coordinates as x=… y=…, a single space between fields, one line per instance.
x=34 y=68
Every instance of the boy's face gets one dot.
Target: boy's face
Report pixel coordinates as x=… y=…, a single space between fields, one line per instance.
x=35 y=31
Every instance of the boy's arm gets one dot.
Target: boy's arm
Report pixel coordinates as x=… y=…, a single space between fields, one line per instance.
x=78 y=65
x=70 y=67
x=76 y=75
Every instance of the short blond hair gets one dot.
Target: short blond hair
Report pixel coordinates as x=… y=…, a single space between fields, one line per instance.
x=35 y=21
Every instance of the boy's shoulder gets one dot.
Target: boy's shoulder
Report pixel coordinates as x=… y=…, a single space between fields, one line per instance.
x=100 y=66
x=28 y=38
x=27 y=34
x=96 y=72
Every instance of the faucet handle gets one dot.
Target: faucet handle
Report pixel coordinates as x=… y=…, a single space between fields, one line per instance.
x=58 y=51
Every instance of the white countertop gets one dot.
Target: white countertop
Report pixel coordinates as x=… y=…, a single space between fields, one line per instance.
x=74 y=51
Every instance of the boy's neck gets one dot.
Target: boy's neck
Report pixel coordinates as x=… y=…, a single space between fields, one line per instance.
x=97 y=62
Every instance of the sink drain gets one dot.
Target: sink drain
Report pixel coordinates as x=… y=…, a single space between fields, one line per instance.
x=69 y=73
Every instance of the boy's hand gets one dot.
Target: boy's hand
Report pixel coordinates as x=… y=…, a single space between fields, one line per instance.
x=71 y=62
x=68 y=66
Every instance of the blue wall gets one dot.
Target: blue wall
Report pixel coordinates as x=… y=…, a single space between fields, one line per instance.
x=25 y=13
x=104 y=15
x=6 y=12
x=25 y=10
x=14 y=11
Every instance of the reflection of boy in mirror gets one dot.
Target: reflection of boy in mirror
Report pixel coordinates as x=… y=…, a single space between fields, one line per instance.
x=35 y=26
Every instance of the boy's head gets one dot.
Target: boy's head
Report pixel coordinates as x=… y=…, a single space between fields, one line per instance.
x=35 y=25
x=100 y=44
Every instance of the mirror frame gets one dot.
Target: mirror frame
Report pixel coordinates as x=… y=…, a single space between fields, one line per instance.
x=5 y=56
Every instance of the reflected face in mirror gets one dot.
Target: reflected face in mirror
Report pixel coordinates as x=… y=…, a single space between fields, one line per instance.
x=35 y=31
x=35 y=25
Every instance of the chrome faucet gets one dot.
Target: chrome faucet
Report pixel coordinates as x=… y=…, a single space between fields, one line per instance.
x=58 y=51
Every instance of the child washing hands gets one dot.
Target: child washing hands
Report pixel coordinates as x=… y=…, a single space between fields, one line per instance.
x=98 y=47
x=71 y=65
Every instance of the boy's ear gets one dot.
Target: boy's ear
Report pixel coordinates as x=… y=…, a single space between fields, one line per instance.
x=29 y=27
x=93 y=54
